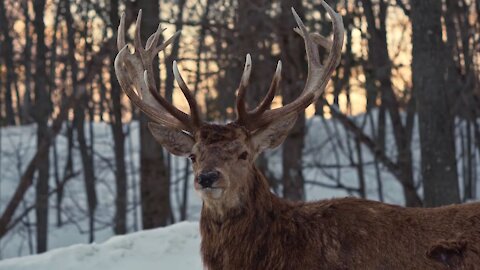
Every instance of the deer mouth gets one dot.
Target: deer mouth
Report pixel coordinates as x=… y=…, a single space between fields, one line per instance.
x=211 y=192
x=210 y=189
x=199 y=187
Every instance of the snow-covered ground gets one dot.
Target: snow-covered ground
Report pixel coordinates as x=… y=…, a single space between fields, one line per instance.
x=174 y=247
x=327 y=160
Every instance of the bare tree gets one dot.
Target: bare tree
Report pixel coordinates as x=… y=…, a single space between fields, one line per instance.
x=154 y=172
x=379 y=66
x=462 y=78
x=439 y=167
x=9 y=65
x=42 y=109
x=120 y=219
x=27 y=55
x=79 y=123
x=293 y=55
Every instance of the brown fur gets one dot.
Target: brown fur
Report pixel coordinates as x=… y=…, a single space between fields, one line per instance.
x=271 y=233
x=244 y=226
x=251 y=228
x=210 y=134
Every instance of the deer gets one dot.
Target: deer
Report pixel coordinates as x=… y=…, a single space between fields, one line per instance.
x=244 y=225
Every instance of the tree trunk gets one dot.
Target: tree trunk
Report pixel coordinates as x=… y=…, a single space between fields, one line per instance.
x=253 y=26
x=169 y=81
x=120 y=218
x=154 y=172
x=294 y=72
x=439 y=168
x=9 y=65
x=2 y=120
x=79 y=122
x=25 y=110
x=42 y=109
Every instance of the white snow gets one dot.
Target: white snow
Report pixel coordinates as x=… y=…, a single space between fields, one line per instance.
x=174 y=247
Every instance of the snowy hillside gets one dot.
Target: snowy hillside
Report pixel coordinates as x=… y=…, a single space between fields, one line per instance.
x=174 y=247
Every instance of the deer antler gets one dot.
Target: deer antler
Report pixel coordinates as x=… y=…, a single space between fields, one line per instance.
x=135 y=71
x=318 y=76
x=135 y=74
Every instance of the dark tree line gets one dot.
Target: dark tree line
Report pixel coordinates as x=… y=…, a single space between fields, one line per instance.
x=411 y=68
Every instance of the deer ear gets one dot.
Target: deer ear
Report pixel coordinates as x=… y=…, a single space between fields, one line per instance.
x=274 y=134
x=175 y=141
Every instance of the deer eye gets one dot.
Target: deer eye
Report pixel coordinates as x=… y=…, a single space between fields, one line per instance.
x=243 y=156
x=193 y=158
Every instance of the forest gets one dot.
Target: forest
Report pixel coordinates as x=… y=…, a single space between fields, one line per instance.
x=399 y=122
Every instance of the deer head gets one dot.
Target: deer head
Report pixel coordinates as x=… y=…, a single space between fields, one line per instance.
x=222 y=155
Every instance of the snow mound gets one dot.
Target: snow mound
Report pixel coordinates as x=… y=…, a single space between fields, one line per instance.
x=173 y=247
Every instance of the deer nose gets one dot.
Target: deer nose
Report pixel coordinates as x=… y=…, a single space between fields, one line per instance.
x=206 y=179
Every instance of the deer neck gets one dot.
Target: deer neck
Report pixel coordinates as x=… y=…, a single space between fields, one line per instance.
x=223 y=234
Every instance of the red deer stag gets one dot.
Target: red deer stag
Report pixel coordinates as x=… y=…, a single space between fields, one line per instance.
x=243 y=225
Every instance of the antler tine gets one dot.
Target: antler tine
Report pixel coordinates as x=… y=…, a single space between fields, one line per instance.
x=313 y=57
x=246 y=118
x=137 y=41
x=192 y=103
x=242 y=89
x=267 y=100
x=318 y=74
x=317 y=38
x=321 y=41
x=338 y=36
x=121 y=33
x=152 y=41
x=183 y=117
x=127 y=84
x=135 y=74
x=166 y=43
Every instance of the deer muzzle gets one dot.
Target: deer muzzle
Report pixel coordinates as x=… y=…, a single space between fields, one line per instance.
x=207 y=179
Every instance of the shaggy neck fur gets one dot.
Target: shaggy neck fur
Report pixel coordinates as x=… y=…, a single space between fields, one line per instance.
x=256 y=199
x=241 y=237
